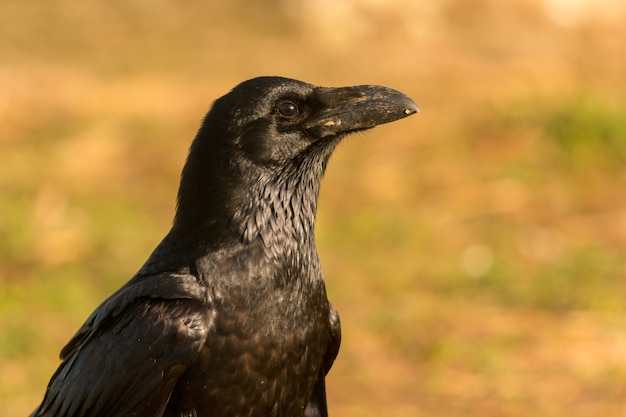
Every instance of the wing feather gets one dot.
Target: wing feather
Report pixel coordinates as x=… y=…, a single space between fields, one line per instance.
x=129 y=362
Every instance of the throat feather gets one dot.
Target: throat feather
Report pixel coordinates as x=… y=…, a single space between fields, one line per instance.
x=282 y=213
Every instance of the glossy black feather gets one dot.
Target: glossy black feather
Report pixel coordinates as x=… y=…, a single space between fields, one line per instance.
x=229 y=315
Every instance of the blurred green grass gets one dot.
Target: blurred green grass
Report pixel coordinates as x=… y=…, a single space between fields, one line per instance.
x=475 y=252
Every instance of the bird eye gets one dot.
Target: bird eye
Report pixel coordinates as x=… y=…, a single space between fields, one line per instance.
x=287 y=109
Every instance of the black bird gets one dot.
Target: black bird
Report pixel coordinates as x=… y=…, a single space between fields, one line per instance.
x=229 y=315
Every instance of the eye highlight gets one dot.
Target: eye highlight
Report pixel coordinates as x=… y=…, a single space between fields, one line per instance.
x=287 y=109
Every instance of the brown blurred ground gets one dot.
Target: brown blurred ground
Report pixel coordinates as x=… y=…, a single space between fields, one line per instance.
x=476 y=252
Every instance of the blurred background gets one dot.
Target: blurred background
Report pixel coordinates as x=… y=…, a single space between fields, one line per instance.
x=476 y=252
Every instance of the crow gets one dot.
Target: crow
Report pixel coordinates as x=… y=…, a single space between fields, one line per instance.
x=229 y=315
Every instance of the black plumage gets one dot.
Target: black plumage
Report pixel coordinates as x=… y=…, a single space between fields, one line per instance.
x=229 y=315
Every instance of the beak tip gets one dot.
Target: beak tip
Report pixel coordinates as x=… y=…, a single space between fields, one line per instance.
x=411 y=109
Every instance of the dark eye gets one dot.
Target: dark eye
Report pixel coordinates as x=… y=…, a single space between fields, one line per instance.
x=287 y=109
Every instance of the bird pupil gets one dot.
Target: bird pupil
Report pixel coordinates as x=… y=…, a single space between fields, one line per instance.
x=287 y=109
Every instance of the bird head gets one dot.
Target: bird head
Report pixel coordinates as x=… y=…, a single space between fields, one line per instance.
x=272 y=120
x=275 y=129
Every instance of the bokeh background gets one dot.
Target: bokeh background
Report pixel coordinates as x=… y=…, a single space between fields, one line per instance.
x=476 y=252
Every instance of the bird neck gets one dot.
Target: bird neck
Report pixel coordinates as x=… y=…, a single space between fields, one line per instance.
x=283 y=208
x=234 y=203
x=274 y=207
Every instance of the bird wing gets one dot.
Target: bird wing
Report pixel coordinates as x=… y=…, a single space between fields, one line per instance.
x=332 y=350
x=127 y=357
x=317 y=406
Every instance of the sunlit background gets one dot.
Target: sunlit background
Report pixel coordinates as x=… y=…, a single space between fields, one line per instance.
x=476 y=252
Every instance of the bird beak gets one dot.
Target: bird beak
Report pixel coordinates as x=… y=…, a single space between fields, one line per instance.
x=350 y=109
